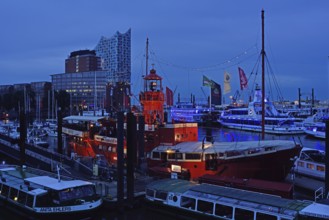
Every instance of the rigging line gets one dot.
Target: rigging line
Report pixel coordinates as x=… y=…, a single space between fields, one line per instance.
x=275 y=82
x=255 y=72
x=209 y=67
x=236 y=64
x=203 y=70
x=163 y=72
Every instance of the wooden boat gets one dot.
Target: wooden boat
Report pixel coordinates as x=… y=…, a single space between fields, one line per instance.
x=30 y=193
x=205 y=201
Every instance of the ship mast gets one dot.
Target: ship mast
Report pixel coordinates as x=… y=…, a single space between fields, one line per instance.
x=263 y=78
x=147 y=56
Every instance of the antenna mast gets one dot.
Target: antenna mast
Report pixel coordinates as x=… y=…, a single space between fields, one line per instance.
x=147 y=56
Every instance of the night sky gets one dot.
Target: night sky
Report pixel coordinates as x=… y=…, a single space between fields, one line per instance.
x=188 y=39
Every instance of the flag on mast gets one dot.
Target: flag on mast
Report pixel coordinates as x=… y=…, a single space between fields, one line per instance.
x=169 y=97
x=227 y=82
x=243 y=79
x=216 y=94
x=207 y=82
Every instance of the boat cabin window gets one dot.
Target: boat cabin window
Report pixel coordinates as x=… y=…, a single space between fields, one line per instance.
x=29 y=200
x=205 y=206
x=161 y=195
x=190 y=156
x=175 y=156
x=22 y=197
x=5 y=190
x=187 y=202
x=310 y=166
x=320 y=168
x=75 y=193
x=13 y=194
x=164 y=156
x=150 y=192
x=263 y=216
x=43 y=200
x=224 y=211
x=243 y=214
x=156 y=155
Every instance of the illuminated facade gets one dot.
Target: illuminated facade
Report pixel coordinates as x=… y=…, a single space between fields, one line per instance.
x=81 y=87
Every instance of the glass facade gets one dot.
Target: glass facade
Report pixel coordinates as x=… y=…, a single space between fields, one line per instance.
x=115 y=53
x=81 y=87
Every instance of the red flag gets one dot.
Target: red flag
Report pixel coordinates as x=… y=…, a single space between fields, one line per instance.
x=169 y=97
x=243 y=79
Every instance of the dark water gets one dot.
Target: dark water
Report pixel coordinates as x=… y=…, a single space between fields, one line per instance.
x=219 y=134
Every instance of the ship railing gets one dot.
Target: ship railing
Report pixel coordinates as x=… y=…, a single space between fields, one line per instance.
x=319 y=194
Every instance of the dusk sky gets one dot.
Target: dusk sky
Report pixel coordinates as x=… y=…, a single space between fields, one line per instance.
x=188 y=39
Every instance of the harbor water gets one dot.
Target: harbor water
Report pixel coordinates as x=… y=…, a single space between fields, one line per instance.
x=218 y=134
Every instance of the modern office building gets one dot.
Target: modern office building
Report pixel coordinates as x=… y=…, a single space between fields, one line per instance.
x=82 y=61
x=86 y=89
x=115 y=53
x=89 y=72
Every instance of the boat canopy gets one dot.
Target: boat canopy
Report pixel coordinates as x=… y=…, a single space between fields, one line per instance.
x=54 y=184
x=316 y=210
x=37 y=192
x=171 y=185
x=221 y=147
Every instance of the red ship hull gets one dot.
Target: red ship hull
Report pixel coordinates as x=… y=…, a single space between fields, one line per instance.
x=273 y=166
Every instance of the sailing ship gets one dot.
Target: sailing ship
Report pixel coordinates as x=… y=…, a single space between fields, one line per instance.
x=205 y=201
x=264 y=159
x=32 y=193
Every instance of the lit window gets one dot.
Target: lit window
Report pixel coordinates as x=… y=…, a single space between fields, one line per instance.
x=320 y=168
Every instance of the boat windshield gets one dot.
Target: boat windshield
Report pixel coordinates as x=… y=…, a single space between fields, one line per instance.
x=76 y=193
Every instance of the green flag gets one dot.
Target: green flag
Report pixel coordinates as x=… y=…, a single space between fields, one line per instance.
x=207 y=82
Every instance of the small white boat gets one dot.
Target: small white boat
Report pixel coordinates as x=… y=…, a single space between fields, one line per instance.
x=317 y=130
x=311 y=163
x=30 y=193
